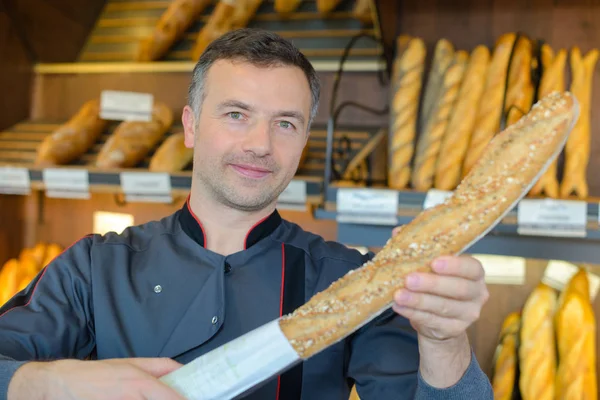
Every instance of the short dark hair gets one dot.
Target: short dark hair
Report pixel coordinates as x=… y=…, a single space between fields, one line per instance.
x=256 y=46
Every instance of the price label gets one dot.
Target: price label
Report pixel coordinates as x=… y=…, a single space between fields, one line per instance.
x=14 y=181
x=549 y=217
x=558 y=273
x=146 y=186
x=502 y=270
x=367 y=206
x=435 y=197
x=294 y=196
x=66 y=183
x=126 y=106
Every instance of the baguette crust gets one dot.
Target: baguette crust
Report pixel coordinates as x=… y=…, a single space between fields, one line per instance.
x=132 y=140
x=407 y=83
x=428 y=146
x=286 y=6
x=487 y=122
x=171 y=26
x=326 y=6
x=519 y=94
x=442 y=58
x=460 y=127
x=362 y=11
x=577 y=151
x=172 y=155
x=505 y=365
x=537 y=357
x=553 y=79
x=72 y=139
x=501 y=177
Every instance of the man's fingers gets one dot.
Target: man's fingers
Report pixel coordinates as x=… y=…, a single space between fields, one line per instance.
x=441 y=306
x=463 y=266
x=445 y=286
x=156 y=367
x=430 y=321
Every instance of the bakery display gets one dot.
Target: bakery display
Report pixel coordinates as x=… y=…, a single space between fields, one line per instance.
x=519 y=91
x=499 y=179
x=286 y=6
x=363 y=11
x=505 y=358
x=326 y=6
x=72 y=139
x=172 y=155
x=131 y=141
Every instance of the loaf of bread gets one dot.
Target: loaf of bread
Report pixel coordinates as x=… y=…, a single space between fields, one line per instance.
x=458 y=133
x=500 y=178
x=442 y=58
x=407 y=81
x=286 y=6
x=576 y=338
x=72 y=139
x=430 y=141
x=505 y=358
x=487 y=121
x=553 y=79
x=326 y=6
x=172 y=155
x=537 y=347
x=362 y=11
x=171 y=26
x=577 y=151
x=132 y=140
x=519 y=93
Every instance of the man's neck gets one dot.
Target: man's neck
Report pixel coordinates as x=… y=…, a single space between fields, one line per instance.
x=225 y=229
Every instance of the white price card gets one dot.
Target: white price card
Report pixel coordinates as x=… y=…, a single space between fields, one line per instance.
x=550 y=217
x=435 y=197
x=367 y=206
x=153 y=187
x=502 y=270
x=14 y=180
x=126 y=106
x=558 y=273
x=66 y=183
x=294 y=196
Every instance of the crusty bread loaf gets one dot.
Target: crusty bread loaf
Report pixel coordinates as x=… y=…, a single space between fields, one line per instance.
x=553 y=79
x=443 y=56
x=576 y=338
x=172 y=155
x=458 y=133
x=430 y=140
x=537 y=347
x=487 y=121
x=362 y=11
x=577 y=151
x=326 y=6
x=286 y=6
x=407 y=81
x=519 y=93
x=505 y=358
x=72 y=139
x=171 y=26
x=132 y=140
x=511 y=163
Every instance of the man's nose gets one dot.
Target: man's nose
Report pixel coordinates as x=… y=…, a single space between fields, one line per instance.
x=258 y=139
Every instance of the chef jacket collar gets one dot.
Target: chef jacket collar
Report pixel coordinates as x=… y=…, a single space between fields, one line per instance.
x=192 y=226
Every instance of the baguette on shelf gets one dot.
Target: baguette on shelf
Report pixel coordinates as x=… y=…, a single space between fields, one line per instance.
x=172 y=155
x=506 y=358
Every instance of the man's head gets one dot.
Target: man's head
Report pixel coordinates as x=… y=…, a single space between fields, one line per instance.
x=252 y=99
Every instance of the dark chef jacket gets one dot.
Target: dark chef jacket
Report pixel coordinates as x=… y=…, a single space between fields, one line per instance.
x=155 y=291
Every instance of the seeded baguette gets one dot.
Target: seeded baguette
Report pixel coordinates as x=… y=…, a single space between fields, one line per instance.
x=510 y=165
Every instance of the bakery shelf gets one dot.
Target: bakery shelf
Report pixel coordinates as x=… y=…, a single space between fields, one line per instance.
x=18 y=146
x=113 y=42
x=504 y=239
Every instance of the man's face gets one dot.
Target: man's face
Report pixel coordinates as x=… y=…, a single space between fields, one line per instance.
x=250 y=133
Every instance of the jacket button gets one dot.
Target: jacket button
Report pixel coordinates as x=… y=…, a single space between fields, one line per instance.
x=157 y=289
x=214 y=319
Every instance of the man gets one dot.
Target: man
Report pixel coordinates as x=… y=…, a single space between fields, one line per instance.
x=143 y=303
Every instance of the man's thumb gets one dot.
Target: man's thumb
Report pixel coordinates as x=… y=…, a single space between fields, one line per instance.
x=156 y=367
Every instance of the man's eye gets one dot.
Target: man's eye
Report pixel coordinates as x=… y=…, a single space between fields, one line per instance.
x=285 y=124
x=235 y=115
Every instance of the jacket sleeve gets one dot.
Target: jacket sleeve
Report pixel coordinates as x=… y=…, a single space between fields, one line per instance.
x=52 y=317
x=384 y=364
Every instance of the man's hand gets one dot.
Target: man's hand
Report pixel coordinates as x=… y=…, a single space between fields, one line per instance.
x=133 y=378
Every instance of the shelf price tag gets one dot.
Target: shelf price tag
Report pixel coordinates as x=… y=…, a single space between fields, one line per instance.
x=293 y=197
x=558 y=273
x=126 y=106
x=367 y=206
x=66 y=183
x=435 y=197
x=14 y=181
x=146 y=187
x=550 y=217
x=502 y=270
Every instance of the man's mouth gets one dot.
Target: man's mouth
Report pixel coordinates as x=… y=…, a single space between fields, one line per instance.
x=251 y=171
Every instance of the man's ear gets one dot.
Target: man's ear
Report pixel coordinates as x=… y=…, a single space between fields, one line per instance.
x=188 y=120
